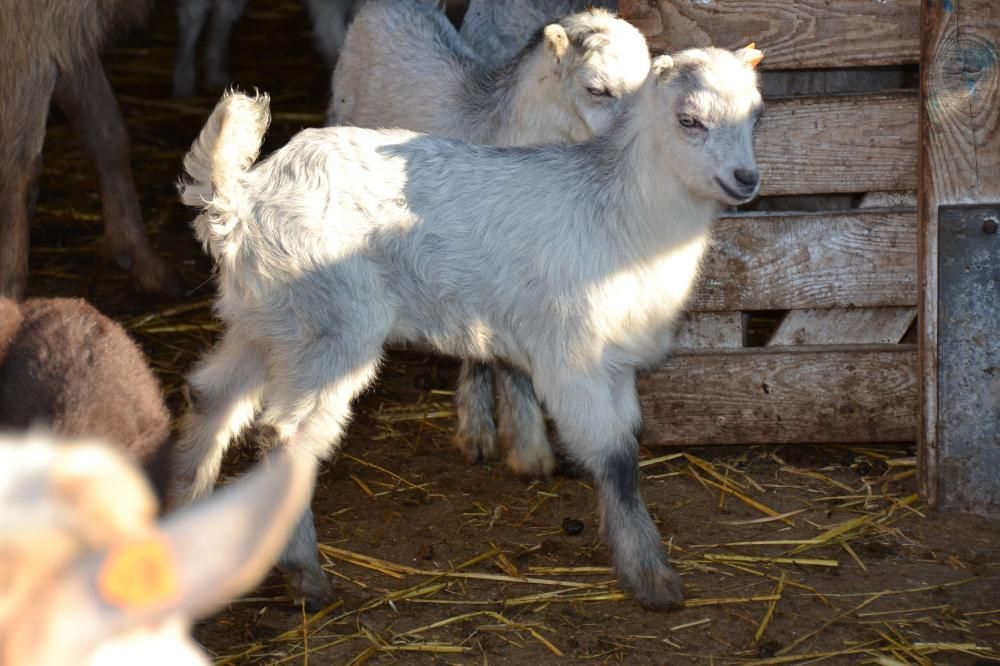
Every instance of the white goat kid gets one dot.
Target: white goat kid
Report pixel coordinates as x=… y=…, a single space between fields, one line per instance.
x=404 y=65
x=497 y=29
x=570 y=263
x=91 y=578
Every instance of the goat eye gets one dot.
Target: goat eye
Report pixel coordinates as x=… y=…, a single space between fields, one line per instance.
x=689 y=121
x=599 y=92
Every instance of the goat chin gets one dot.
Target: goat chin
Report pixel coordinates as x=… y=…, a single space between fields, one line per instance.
x=571 y=262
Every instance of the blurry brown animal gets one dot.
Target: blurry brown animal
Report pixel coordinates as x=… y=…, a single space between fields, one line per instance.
x=67 y=367
x=50 y=50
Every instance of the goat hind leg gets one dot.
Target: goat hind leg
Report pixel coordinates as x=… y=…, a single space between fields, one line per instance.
x=226 y=387
x=86 y=97
x=521 y=425
x=309 y=408
x=475 y=433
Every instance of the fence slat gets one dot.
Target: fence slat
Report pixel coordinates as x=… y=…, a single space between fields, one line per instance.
x=782 y=395
x=839 y=326
x=858 y=258
x=841 y=143
x=793 y=35
x=703 y=330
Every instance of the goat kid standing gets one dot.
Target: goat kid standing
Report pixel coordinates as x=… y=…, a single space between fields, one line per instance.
x=570 y=263
x=404 y=65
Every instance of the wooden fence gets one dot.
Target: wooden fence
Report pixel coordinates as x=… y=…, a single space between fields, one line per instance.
x=842 y=366
x=835 y=369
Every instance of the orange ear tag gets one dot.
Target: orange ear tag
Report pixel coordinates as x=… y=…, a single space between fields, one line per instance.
x=139 y=574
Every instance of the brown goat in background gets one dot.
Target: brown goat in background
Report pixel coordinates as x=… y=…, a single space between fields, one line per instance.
x=67 y=367
x=50 y=50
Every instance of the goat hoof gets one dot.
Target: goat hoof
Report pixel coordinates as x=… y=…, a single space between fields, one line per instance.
x=156 y=277
x=661 y=589
x=532 y=463
x=310 y=588
x=480 y=447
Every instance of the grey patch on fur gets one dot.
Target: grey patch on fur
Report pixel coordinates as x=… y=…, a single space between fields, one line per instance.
x=626 y=526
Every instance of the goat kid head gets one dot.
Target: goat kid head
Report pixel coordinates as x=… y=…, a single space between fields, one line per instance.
x=708 y=103
x=600 y=60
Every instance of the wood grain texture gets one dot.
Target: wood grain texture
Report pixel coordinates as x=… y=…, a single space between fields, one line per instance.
x=959 y=164
x=781 y=261
x=701 y=330
x=782 y=395
x=839 y=326
x=842 y=143
x=793 y=35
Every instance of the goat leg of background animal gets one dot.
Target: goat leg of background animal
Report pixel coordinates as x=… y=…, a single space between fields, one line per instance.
x=521 y=425
x=225 y=16
x=86 y=97
x=191 y=15
x=24 y=104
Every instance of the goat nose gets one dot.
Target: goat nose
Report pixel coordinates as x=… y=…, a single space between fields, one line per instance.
x=747 y=177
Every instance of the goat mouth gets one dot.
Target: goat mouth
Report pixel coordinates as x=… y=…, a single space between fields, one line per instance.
x=738 y=197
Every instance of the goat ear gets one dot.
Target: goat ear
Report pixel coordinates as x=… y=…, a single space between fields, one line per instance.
x=750 y=55
x=199 y=559
x=661 y=66
x=556 y=40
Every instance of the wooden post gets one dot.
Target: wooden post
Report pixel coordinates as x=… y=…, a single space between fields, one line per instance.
x=960 y=166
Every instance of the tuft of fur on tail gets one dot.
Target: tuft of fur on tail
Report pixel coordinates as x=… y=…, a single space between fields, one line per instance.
x=224 y=151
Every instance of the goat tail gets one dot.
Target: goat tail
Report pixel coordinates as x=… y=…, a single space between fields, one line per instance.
x=219 y=158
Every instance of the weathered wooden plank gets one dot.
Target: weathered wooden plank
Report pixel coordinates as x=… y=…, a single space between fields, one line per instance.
x=793 y=35
x=782 y=395
x=774 y=261
x=960 y=164
x=840 y=326
x=841 y=143
x=701 y=330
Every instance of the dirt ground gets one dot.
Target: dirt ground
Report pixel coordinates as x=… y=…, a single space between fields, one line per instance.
x=789 y=555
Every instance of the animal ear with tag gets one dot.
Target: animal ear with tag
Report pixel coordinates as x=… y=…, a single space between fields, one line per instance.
x=192 y=563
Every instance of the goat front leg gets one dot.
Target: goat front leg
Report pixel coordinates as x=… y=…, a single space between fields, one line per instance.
x=521 y=425
x=86 y=97
x=25 y=92
x=598 y=417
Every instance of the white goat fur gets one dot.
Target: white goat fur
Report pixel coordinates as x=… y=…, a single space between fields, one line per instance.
x=67 y=508
x=404 y=65
x=497 y=29
x=568 y=262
